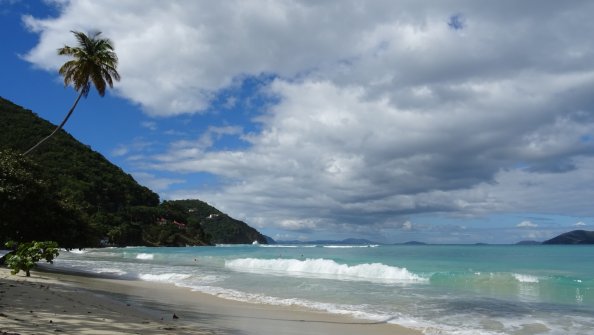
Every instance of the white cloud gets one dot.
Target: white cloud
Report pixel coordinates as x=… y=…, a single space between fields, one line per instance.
x=538 y=235
x=580 y=224
x=155 y=183
x=297 y=225
x=152 y=125
x=381 y=114
x=526 y=224
x=175 y=55
x=407 y=225
x=119 y=151
x=138 y=144
x=185 y=149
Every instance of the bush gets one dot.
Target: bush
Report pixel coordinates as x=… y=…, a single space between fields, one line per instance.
x=26 y=255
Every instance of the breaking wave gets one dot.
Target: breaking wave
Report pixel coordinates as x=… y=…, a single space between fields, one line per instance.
x=164 y=277
x=351 y=246
x=145 y=256
x=525 y=278
x=325 y=268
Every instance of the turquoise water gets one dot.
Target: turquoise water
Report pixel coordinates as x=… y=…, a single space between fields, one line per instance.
x=439 y=289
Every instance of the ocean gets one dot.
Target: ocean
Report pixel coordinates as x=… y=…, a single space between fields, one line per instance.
x=438 y=289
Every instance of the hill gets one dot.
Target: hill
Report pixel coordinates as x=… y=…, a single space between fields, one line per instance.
x=414 y=243
x=219 y=227
x=67 y=192
x=573 y=237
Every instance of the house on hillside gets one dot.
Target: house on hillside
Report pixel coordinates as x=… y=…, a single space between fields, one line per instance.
x=179 y=224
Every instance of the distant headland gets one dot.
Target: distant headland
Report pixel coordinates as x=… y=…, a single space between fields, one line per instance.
x=573 y=237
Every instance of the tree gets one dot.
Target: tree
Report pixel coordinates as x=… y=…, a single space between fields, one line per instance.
x=23 y=197
x=31 y=209
x=26 y=255
x=94 y=62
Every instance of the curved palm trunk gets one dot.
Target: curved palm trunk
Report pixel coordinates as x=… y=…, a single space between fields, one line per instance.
x=58 y=127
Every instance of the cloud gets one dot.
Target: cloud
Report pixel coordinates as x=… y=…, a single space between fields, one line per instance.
x=119 y=151
x=522 y=190
x=185 y=149
x=526 y=224
x=138 y=144
x=149 y=125
x=155 y=183
x=391 y=111
x=382 y=45
x=214 y=43
x=407 y=225
x=580 y=224
x=537 y=235
x=298 y=225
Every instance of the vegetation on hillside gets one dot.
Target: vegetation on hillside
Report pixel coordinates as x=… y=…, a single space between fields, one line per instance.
x=220 y=228
x=73 y=195
x=31 y=209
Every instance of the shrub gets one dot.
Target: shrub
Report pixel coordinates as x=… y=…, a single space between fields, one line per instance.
x=25 y=255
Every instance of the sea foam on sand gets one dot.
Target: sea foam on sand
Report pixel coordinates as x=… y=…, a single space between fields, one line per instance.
x=46 y=303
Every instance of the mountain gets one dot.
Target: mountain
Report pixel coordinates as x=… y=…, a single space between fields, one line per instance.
x=66 y=192
x=414 y=243
x=573 y=237
x=270 y=240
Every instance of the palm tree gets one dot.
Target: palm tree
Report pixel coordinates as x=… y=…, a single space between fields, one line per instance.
x=93 y=62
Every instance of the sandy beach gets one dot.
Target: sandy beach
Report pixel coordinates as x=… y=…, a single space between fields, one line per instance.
x=50 y=303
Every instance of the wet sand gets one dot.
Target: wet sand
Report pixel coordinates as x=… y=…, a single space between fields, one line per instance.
x=50 y=303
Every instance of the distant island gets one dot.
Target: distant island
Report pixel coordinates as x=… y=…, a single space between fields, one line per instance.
x=348 y=241
x=414 y=243
x=573 y=237
x=529 y=242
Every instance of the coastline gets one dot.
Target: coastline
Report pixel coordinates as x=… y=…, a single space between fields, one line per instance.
x=50 y=302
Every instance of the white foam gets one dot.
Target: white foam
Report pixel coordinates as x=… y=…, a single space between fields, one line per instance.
x=287 y=245
x=351 y=246
x=235 y=295
x=164 y=277
x=114 y=271
x=144 y=256
x=525 y=278
x=324 y=268
x=278 y=246
x=360 y=312
x=75 y=251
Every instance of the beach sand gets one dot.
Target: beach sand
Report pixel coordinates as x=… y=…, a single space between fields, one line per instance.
x=51 y=303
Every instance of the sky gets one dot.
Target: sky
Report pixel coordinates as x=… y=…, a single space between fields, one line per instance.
x=435 y=121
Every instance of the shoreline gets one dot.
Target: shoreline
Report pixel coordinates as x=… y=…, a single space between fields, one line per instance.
x=86 y=304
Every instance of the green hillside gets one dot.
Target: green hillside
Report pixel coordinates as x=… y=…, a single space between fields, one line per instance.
x=69 y=193
x=219 y=227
